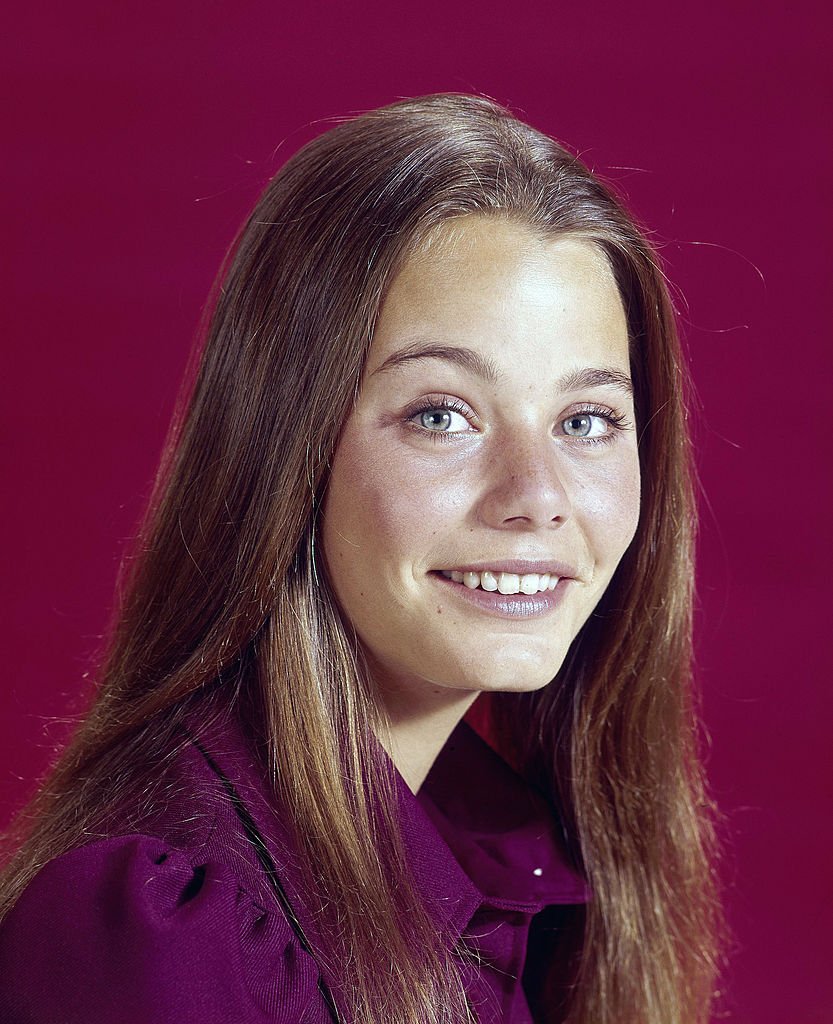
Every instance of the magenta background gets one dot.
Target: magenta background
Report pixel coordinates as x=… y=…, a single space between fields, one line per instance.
x=137 y=137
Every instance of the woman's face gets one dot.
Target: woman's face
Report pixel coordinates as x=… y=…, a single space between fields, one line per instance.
x=486 y=484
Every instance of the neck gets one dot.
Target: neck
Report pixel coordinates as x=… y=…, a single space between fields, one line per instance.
x=419 y=723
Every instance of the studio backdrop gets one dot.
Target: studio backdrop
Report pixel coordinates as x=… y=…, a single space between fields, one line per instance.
x=136 y=137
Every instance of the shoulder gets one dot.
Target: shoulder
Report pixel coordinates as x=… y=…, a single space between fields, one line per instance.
x=178 y=922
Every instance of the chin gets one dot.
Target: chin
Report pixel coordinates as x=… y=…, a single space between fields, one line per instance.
x=519 y=684
x=506 y=676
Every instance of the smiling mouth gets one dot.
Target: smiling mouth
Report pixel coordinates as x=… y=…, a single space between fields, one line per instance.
x=504 y=582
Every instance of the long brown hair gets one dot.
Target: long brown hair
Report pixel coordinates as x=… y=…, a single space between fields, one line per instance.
x=224 y=584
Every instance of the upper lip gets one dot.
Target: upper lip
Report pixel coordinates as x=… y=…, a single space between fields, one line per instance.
x=518 y=566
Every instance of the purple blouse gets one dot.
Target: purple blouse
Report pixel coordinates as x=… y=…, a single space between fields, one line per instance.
x=178 y=921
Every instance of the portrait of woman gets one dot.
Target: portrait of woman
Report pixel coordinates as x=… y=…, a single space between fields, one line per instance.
x=396 y=719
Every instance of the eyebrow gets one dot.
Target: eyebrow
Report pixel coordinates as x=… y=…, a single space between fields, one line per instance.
x=482 y=366
x=594 y=377
x=467 y=358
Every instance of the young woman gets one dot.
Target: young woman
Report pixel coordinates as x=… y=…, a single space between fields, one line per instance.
x=435 y=448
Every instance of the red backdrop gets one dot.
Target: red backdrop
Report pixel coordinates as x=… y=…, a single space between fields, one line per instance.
x=138 y=136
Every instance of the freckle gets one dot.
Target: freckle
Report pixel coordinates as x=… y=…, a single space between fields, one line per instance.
x=439 y=610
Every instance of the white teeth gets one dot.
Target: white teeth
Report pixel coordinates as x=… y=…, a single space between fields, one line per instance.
x=529 y=583
x=504 y=582
x=508 y=583
x=488 y=581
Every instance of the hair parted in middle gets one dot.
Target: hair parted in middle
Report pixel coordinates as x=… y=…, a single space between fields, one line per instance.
x=226 y=582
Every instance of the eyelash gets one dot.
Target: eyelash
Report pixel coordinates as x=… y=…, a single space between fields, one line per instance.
x=432 y=403
x=616 y=421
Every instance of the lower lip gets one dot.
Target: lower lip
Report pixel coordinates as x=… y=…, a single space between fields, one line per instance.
x=507 y=606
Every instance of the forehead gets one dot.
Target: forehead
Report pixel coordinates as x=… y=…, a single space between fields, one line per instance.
x=499 y=286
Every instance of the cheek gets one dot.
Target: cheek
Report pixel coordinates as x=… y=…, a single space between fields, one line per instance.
x=612 y=505
x=380 y=512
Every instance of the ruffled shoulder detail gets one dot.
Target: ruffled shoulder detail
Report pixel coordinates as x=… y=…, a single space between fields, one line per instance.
x=134 y=931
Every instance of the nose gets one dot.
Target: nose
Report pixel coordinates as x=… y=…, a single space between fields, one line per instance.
x=525 y=487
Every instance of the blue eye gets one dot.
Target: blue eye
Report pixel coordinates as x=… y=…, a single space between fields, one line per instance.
x=592 y=425
x=579 y=426
x=441 y=419
x=583 y=425
x=435 y=419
